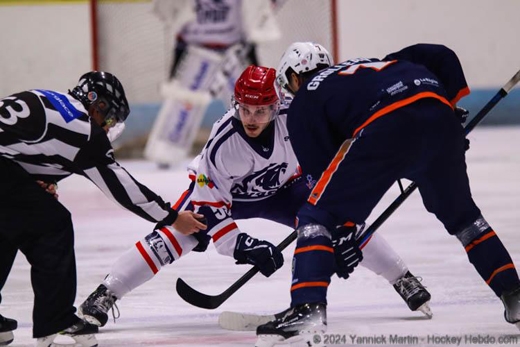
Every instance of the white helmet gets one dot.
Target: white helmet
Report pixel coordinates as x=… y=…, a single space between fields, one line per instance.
x=302 y=57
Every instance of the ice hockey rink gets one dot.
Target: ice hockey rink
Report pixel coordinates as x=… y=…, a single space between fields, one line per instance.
x=365 y=306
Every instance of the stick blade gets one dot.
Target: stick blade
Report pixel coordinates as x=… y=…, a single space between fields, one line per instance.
x=238 y=321
x=196 y=298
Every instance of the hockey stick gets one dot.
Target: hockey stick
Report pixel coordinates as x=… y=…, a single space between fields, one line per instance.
x=210 y=302
x=198 y=299
x=412 y=187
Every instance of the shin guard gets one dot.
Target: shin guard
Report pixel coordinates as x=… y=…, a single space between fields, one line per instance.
x=489 y=256
x=313 y=265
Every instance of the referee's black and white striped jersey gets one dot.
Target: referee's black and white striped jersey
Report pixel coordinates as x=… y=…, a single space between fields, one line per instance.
x=51 y=136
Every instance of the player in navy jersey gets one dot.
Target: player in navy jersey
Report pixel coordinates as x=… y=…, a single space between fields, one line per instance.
x=356 y=128
x=46 y=136
x=247 y=169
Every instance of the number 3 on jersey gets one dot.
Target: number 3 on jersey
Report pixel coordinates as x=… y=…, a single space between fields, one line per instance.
x=11 y=113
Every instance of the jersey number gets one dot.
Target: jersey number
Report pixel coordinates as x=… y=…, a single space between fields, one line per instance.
x=11 y=113
x=376 y=66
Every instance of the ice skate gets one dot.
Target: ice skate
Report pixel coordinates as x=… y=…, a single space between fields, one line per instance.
x=511 y=301
x=305 y=322
x=82 y=333
x=7 y=326
x=414 y=294
x=94 y=309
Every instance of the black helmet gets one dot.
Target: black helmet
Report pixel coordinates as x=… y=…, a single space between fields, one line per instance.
x=97 y=86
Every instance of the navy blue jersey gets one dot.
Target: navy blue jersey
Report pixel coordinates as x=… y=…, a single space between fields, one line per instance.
x=338 y=102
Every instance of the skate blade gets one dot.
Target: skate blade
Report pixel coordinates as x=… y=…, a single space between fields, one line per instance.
x=311 y=339
x=269 y=340
x=517 y=325
x=88 y=340
x=425 y=308
x=242 y=321
x=6 y=338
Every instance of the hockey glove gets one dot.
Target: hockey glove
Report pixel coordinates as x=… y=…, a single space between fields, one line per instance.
x=261 y=254
x=346 y=250
x=462 y=115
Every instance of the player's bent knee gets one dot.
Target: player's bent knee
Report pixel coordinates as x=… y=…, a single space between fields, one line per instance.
x=312 y=233
x=165 y=252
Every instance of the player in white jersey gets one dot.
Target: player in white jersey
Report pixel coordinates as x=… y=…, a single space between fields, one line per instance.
x=46 y=136
x=214 y=41
x=246 y=170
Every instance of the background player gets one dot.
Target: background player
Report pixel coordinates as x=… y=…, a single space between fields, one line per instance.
x=214 y=41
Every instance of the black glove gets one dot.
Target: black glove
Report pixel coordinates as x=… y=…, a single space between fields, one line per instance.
x=462 y=115
x=346 y=250
x=202 y=237
x=261 y=254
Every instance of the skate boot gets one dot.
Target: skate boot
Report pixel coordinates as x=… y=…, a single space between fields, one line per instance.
x=305 y=322
x=7 y=326
x=81 y=332
x=511 y=301
x=414 y=294
x=94 y=309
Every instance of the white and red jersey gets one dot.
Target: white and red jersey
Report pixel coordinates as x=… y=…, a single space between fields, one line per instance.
x=234 y=167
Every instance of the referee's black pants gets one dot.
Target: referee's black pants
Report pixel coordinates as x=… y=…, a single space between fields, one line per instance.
x=34 y=222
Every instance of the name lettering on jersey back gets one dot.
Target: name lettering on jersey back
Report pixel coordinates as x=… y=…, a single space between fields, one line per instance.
x=316 y=80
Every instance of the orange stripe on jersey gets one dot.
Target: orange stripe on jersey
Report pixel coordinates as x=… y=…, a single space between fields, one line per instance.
x=399 y=104
x=313 y=248
x=224 y=231
x=327 y=174
x=480 y=240
x=499 y=270
x=309 y=284
x=181 y=199
x=146 y=257
x=173 y=240
x=462 y=93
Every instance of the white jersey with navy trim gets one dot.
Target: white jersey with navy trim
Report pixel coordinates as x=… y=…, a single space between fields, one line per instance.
x=51 y=136
x=233 y=167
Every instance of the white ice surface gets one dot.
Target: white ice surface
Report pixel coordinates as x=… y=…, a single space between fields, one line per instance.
x=365 y=305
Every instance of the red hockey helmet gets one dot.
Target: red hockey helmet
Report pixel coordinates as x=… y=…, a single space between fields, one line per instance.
x=255 y=86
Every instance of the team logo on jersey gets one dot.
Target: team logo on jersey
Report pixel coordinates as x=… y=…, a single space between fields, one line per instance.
x=261 y=183
x=203 y=180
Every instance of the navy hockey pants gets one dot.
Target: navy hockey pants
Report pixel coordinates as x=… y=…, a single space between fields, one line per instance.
x=35 y=223
x=423 y=142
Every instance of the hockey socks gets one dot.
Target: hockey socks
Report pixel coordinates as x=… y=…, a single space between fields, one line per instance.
x=313 y=265
x=489 y=256
x=493 y=263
